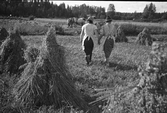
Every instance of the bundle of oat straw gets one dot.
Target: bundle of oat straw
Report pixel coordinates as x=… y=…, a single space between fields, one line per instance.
x=46 y=80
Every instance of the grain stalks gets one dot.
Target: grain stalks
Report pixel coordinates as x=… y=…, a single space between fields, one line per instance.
x=46 y=80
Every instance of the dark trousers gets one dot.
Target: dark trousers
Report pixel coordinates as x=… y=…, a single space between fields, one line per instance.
x=88 y=44
x=108 y=46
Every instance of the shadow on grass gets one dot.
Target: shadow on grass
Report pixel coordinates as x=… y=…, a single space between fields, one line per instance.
x=121 y=66
x=115 y=65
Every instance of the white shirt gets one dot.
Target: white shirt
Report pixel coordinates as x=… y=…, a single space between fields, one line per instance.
x=89 y=31
x=108 y=30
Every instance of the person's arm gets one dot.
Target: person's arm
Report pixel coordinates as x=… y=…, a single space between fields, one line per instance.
x=96 y=33
x=114 y=32
x=81 y=35
x=101 y=35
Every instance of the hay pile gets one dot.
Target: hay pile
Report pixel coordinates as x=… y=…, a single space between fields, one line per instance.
x=46 y=81
x=11 y=53
x=144 y=38
x=120 y=37
x=3 y=34
x=151 y=90
x=30 y=55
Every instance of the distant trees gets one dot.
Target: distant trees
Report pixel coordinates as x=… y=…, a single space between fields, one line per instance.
x=149 y=11
x=46 y=9
x=135 y=16
x=149 y=14
x=62 y=10
x=111 y=10
x=164 y=16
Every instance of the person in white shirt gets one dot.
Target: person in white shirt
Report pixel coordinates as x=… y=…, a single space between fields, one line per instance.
x=109 y=32
x=88 y=32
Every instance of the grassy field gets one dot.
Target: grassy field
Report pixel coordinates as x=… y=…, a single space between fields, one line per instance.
x=131 y=28
x=163 y=24
x=124 y=61
x=122 y=71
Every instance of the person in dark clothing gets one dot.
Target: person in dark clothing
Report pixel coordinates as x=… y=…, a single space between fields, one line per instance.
x=109 y=32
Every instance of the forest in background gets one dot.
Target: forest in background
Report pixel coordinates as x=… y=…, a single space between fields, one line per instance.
x=47 y=9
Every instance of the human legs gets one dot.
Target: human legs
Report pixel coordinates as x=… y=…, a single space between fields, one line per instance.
x=107 y=48
x=88 y=44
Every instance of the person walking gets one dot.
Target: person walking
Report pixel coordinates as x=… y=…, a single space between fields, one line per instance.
x=109 y=32
x=88 y=32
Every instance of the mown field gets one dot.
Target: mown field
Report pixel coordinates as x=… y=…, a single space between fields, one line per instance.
x=122 y=72
x=115 y=21
x=124 y=60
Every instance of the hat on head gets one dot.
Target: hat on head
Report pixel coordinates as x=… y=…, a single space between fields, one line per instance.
x=90 y=18
x=108 y=19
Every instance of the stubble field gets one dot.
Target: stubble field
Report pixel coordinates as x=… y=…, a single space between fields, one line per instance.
x=124 y=60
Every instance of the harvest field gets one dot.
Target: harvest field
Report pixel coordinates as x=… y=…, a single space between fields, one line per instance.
x=162 y=24
x=121 y=73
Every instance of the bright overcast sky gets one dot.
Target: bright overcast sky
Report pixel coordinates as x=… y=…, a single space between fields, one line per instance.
x=120 y=6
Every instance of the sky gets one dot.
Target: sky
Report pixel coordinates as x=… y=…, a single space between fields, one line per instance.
x=120 y=6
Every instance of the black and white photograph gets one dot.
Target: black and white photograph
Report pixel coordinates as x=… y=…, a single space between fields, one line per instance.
x=83 y=56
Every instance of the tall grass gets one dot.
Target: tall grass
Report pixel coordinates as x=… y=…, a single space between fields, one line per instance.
x=31 y=28
x=134 y=29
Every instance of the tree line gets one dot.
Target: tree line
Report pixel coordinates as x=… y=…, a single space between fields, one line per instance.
x=46 y=9
x=149 y=14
